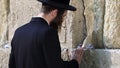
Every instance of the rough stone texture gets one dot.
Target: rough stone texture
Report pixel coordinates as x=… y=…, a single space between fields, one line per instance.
x=96 y=58
x=101 y=58
x=21 y=13
x=4 y=53
x=89 y=19
x=72 y=30
x=112 y=24
x=99 y=8
x=77 y=27
x=4 y=9
x=94 y=14
x=4 y=57
x=89 y=15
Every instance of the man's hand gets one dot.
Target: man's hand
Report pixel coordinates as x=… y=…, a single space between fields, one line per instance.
x=78 y=54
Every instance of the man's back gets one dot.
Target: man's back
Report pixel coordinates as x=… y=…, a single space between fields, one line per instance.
x=36 y=45
x=27 y=44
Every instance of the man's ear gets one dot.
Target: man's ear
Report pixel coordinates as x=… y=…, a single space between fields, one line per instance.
x=54 y=13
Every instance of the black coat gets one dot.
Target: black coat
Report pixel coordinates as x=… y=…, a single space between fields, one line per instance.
x=36 y=45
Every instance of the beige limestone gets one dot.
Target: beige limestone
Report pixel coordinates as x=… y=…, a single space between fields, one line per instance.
x=94 y=14
x=4 y=9
x=78 y=22
x=4 y=58
x=89 y=15
x=99 y=10
x=112 y=24
x=101 y=58
x=96 y=58
x=72 y=30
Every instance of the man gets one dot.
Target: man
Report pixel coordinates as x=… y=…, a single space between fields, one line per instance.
x=36 y=44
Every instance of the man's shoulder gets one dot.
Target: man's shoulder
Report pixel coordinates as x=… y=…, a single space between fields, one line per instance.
x=22 y=27
x=40 y=29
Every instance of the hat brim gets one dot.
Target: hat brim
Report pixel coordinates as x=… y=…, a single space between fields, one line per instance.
x=58 y=5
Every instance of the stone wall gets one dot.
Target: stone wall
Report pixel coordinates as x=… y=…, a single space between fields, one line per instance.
x=21 y=13
x=72 y=29
x=112 y=24
x=4 y=57
x=96 y=22
x=4 y=10
x=102 y=33
x=101 y=58
x=102 y=19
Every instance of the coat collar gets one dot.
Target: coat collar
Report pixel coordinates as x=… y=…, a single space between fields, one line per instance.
x=38 y=20
x=42 y=21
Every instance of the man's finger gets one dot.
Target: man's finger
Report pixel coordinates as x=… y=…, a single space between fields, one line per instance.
x=80 y=56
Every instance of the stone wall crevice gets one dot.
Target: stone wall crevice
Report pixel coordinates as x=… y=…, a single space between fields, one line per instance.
x=84 y=24
x=104 y=12
x=97 y=38
x=8 y=12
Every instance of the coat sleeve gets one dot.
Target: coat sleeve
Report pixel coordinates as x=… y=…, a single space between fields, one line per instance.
x=12 y=58
x=52 y=52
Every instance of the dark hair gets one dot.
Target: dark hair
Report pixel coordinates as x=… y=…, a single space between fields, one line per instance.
x=47 y=9
x=58 y=20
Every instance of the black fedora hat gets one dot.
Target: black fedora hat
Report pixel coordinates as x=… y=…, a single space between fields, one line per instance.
x=60 y=4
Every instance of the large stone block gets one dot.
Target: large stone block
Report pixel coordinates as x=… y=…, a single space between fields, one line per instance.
x=112 y=24
x=101 y=58
x=72 y=33
x=4 y=58
x=78 y=23
x=96 y=58
x=94 y=14
x=89 y=20
x=99 y=11
x=4 y=9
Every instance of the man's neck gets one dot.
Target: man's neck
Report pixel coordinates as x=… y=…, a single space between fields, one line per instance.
x=44 y=17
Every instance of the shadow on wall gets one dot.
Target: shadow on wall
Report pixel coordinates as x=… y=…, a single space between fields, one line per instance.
x=98 y=58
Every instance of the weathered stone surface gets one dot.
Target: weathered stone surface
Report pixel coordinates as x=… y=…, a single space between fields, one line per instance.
x=66 y=54
x=21 y=13
x=4 y=9
x=96 y=58
x=101 y=58
x=4 y=58
x=112 y=24
x=99 y=10
x=72 y=33
x=78 y=22
x=89 y=15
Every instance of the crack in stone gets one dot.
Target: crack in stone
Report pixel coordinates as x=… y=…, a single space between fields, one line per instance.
x=84 y=24
x=8 y=12
x=104 y=23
